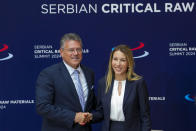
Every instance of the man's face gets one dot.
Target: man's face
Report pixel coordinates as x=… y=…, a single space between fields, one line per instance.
x=72 y=53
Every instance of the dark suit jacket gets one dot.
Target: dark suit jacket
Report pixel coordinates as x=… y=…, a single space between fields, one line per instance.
x=57 y=100
x=135 y=106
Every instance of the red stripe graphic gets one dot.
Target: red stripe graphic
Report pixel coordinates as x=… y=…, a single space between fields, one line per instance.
x=139 y=47
x=5 y=47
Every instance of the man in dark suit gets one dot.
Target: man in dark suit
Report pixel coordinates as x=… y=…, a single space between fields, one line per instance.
x=64 y=91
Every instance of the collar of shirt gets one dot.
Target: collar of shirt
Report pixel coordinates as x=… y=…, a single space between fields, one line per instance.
x=70 y=69
x=116 y=83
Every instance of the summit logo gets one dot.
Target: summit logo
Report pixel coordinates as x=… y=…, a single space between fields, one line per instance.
x=3 y=48
x=141 y=45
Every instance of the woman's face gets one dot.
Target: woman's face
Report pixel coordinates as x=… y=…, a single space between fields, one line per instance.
x=119 y=63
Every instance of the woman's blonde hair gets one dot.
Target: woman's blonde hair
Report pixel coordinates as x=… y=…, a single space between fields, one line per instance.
x=131 y=75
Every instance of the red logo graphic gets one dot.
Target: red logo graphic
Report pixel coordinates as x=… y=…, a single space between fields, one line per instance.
x=5 y=47
x=139 y=47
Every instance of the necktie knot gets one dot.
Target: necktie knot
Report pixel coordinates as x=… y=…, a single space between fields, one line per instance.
x=76 y=72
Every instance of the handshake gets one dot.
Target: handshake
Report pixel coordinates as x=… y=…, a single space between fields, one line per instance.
x=83 y=117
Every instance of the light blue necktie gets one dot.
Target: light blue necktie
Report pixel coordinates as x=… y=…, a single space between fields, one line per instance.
x=79 y=88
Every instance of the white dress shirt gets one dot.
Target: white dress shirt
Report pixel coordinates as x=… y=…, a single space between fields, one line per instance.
x=116 y=110
x=82 y=79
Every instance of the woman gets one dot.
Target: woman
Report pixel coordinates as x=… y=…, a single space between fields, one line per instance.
x=122 y=95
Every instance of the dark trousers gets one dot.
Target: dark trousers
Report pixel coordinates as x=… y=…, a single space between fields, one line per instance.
x=117 y=126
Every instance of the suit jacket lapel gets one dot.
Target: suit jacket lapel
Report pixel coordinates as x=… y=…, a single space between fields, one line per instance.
x=87 y=76
x=109 y=97
x=128 y=88
x=69 y=83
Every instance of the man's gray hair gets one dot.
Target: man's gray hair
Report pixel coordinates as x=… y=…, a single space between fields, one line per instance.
x=70 y=36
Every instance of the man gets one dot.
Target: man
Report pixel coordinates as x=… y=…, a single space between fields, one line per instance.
x=65 y=90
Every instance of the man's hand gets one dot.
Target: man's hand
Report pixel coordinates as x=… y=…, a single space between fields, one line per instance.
x=83 y=118
x=89 y=117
